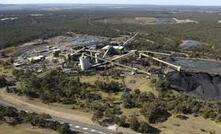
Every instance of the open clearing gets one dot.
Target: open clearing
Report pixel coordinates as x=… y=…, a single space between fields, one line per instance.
x=132 y=81
x=130 y=20
x=141 y=83
x=193 y=125
x=24 y=129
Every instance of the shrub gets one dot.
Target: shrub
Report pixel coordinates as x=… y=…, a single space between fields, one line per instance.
x=155 y=112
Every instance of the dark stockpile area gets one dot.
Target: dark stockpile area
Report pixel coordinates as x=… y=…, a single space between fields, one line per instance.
x=196 y=84
x=197 y=65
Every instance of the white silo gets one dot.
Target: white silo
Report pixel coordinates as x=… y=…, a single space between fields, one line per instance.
x=85 y=62
x=97 y=55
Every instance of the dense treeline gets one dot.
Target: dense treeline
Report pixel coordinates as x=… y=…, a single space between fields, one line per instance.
x=52 y=23
x=60 y=87
x=55 y=87
x=164 y=36
x=14 y=117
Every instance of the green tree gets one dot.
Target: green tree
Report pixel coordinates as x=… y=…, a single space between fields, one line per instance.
x=3 y=81
x=155 y=112
x=97 y=115
x=146 y=128
x=64 y=129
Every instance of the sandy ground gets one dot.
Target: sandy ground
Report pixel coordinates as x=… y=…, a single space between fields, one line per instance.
x=24 y=129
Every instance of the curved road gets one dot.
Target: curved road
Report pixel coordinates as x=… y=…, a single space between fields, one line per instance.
x=74 y=124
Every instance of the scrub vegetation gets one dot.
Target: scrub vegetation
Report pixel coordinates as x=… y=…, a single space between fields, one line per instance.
x=63 y=88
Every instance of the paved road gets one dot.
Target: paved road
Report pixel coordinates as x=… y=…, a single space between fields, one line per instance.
x=74 y=125
x=83 y=127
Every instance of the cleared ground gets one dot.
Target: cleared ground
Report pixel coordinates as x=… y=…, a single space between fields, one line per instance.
x=130 y=20
x=193 y=125
x=24 y=129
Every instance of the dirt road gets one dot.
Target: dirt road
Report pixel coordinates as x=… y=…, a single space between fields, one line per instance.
x=76 y=120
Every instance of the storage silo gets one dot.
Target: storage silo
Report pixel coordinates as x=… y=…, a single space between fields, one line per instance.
x=97 y=55
x=85 y=62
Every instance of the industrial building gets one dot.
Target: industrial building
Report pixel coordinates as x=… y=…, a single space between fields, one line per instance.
x=36 y=58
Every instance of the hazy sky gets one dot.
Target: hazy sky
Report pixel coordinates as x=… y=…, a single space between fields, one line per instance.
x=158 y=2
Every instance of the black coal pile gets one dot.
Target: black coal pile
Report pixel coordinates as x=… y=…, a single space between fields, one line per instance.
x=201 y=85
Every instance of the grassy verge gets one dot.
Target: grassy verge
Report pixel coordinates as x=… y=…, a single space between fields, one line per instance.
x=23 y=129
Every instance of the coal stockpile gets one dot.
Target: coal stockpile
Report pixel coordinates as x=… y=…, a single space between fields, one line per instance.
x=201 y=85
x=197 y=65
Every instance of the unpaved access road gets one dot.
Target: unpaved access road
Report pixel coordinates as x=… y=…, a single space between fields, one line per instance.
x=76 y=122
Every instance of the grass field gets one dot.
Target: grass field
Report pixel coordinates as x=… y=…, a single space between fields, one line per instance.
x=92 y=79
x=141 y=83
x=24 y=129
